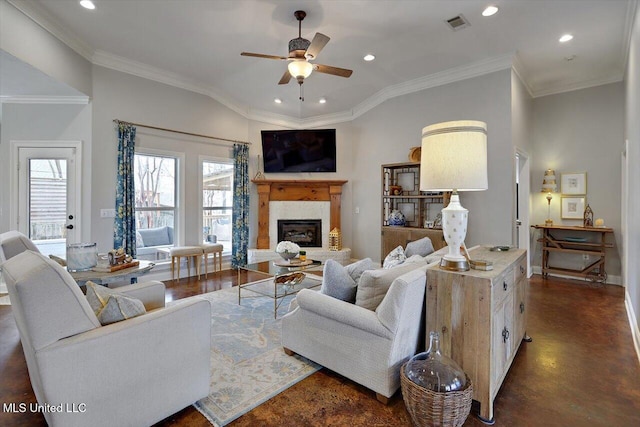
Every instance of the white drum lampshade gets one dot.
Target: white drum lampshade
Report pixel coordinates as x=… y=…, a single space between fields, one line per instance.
x=454 y=158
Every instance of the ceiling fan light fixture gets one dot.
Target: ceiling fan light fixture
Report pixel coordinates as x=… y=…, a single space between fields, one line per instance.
x=300 y=69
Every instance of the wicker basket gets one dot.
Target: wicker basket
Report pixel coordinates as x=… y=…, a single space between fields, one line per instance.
x=431 y=408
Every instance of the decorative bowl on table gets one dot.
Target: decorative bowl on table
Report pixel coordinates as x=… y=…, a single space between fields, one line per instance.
x=287 y=250
x=289 y=281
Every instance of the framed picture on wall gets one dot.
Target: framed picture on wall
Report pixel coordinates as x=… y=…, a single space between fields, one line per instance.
x=573 y=207
x=573 y=183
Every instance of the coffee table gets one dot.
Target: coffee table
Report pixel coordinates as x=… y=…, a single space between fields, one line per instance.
x=274 y=290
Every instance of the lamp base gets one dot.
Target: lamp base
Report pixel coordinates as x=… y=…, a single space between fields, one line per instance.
x=548 y=222
x=454 y=265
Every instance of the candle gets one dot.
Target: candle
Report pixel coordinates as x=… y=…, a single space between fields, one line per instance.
x=599 y=222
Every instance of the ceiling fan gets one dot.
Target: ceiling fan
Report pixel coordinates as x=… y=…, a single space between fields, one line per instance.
x=301 y=52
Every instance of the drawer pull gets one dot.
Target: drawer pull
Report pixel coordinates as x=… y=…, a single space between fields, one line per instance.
x=504 y=285
x=521 y=270
x=505 y=334
x=521 y=307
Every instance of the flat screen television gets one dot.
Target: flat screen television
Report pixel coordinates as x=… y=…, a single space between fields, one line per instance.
x=299 y=150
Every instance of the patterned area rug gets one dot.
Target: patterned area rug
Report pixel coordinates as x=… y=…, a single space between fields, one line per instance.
x=248 y=365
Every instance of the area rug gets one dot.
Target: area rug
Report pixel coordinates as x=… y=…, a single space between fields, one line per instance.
x=248 y=365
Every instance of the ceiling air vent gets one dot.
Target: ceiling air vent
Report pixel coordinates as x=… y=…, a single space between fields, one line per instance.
x=457 y=22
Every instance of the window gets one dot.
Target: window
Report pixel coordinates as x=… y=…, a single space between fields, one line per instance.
x=217 y=201
x=155 y=186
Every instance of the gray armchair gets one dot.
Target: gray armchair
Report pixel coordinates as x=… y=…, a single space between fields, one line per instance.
x=368 y=347
x=131 y=373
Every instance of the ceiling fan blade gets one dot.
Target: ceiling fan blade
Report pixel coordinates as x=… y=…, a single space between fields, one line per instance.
x=327 y=69
x=285 y=78
x=261 y=55
x=319 y=41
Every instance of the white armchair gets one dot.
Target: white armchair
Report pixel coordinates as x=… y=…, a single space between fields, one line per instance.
x=131 y=373
x=368 y=347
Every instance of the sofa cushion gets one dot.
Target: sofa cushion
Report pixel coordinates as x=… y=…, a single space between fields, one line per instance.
x=374 y=284
x=395 y=257
x=422 y=247
x=356 y=269
x=111 y=306
x=337 y=282
x=160 y=236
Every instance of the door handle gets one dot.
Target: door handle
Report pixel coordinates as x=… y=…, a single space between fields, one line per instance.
x=70 y=227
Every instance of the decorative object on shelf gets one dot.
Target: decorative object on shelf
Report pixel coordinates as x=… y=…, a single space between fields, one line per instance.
x=599 y=222
x=415 y=154
x=549 y=186
x=454 y=158
x=118 y=257
x=395 y=190
x=287 y=250
x=573 y=207
x=574 y=183
x=82 y=256
x=335 y=240
x=437 y=223
x=588 y=217
x=302 y=255
x=435 y=389
x=428 y=224
x=397 y=218
x=259 y=175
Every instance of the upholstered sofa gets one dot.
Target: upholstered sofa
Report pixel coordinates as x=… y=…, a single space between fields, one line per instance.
x=149 y=240
x=366 y=346
x=134 y=372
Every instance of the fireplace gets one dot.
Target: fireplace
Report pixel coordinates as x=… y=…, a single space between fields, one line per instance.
x=306 y=233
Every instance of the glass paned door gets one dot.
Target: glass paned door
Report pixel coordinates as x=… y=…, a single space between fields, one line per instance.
x=48 y=198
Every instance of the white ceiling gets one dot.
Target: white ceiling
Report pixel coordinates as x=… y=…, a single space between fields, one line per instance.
x=197 y=43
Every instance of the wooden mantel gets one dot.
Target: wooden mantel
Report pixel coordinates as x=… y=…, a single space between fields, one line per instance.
x=295 y=190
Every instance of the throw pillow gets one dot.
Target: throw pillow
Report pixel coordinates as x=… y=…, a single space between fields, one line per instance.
x=111 y=306
x=356 y=269
x=139 y=241
x=395 y=257
x=422 y=247
x=374 y=284
x=337 y=283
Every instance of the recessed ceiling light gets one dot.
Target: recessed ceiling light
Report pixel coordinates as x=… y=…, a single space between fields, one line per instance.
x=87 y=4
x=369 y=57
x=490 y=10
x=277 y=101
x=565 y=38
x=323 y=100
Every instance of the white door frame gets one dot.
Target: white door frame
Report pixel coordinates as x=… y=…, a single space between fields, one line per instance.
x=524 y=200
x=14 y=191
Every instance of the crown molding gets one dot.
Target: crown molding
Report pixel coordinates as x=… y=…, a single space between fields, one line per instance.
x=452 y=75
x=585 y=84
x=521 y=72
x=44 y=19
x=27 y=99
x=119 y=63
x=295 y=123
x=632 y=10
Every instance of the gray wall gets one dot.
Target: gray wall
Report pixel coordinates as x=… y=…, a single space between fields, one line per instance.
x=123 y=96
x=581 y=131
x=632 y=135
x=26 y=40
x=386 y=134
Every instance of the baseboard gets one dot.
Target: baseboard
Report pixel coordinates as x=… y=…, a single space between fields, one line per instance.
x=633 y=321
x=611 y=279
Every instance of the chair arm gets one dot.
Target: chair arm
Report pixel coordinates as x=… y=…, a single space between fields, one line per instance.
x=131 y=357
x=342 y=312
x=150 y=293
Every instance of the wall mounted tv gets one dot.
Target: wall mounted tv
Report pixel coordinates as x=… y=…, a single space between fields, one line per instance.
x=299 y=150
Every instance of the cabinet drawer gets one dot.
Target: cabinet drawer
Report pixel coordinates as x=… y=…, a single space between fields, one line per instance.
x=520 y=270
x=502 y=286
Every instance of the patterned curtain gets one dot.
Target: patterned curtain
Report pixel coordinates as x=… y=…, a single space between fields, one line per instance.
x=240 y=214
x=124 y=228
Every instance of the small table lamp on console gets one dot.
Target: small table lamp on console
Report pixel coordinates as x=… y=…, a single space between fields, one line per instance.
x=454 y=158
x=549 y=186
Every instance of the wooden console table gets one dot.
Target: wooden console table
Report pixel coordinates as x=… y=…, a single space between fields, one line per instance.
x=588 y=241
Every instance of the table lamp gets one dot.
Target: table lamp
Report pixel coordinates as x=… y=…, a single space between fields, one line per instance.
x=454 y=158
x=549 y=186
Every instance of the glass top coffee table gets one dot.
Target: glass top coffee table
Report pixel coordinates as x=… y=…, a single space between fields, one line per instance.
x=283 y=283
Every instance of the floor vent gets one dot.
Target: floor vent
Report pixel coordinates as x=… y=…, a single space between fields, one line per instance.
x=458 y=22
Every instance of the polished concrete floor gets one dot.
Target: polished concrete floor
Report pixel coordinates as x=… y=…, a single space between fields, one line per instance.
x=580 y=370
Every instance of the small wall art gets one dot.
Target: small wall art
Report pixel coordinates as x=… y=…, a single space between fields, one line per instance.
x=573 y=183
x=573 y=207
